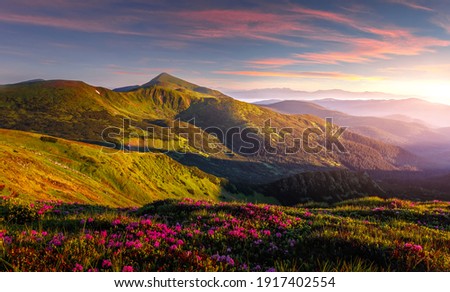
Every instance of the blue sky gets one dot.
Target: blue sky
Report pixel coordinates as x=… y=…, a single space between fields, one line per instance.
x=395 y=46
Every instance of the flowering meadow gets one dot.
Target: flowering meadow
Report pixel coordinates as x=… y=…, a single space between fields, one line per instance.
x=369 y=234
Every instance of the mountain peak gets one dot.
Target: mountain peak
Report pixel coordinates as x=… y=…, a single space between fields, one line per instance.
x=165 y=79
x=164 y=75
x=171 y=82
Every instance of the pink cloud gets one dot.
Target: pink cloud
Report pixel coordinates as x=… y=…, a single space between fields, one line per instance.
x=357 y=24
x=311 y=75
x=389 y=43
x=360 y=50
x=286 y=27
x=386 y=41
x=273 y=62
x=278 y=26
x=436 y=69
x=239 y=23
x=323 y=15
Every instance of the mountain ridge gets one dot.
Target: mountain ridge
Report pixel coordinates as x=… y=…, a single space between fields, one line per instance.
x=78 y=111
x=288 y=94
x=435 y=114
x=412 y=135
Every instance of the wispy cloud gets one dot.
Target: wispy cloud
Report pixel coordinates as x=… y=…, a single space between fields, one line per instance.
x=14 y=51
x=310 y=75
x=411 y=4
x=273 y=62
x=394 y=42
x=293 y=22
x=440 y=70
x=382 y=42
x=322 y=15
x=361 y=50
x=244 y=24
x=288 y=26
x=443 y=21
x=386 y=41
x=99 y=24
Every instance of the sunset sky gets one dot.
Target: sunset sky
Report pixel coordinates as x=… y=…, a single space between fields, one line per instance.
x=394 y=46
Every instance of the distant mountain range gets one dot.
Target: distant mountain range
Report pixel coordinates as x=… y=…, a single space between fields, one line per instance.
x=376 y=104
x=434 y=114
x=290 y=94
x=414 y=135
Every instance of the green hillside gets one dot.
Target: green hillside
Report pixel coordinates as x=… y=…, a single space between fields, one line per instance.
x=329 y=186
x=84 y=173
x=77 y=111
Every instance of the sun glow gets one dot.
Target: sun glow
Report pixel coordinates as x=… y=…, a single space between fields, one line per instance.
x=439 y=92
x=433 y=90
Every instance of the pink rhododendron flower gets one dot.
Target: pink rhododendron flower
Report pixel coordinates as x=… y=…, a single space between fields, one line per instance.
x=127 y=269
x=78 y=268
x=106 y=264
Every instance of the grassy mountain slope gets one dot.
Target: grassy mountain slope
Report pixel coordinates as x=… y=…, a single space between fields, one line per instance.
x=77 y=111
x=77 y=172
x=330 y=186
x=69 y=109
